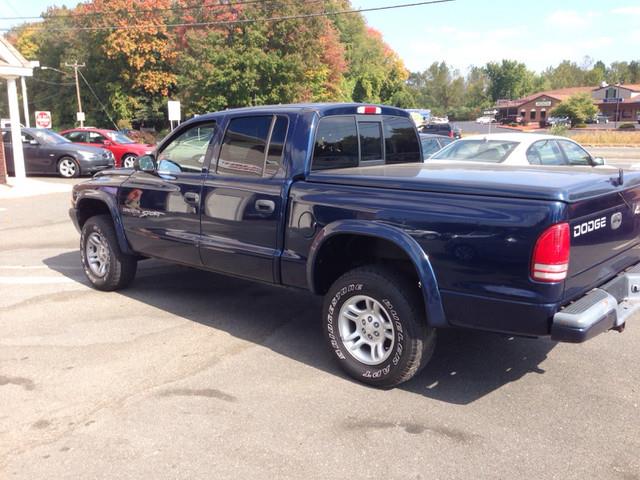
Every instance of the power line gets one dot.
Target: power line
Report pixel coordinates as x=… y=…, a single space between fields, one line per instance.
x=104 y=109
x=146 y=10
x=66 y=84
x=244 y=21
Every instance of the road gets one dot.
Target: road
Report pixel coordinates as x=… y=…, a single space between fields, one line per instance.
x=191 y=375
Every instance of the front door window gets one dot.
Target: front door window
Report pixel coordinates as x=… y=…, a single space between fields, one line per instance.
x=186 y=152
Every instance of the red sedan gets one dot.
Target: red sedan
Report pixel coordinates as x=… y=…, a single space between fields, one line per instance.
x=124 y=149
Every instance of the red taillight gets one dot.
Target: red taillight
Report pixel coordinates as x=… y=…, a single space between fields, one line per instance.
x=369 y=110
x=550 y=260
x=450 y=133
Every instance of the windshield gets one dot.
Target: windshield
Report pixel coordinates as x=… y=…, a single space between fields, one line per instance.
x=119 y=137
x=48 y=136
x=482 y=150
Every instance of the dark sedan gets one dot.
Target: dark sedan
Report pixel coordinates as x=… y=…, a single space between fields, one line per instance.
x=432 y=143
x=46 y=152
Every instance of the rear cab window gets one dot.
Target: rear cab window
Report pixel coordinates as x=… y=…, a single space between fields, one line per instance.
x=344 y=141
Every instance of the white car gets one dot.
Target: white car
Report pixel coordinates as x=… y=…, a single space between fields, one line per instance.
x=485 y=120
x=517 y=149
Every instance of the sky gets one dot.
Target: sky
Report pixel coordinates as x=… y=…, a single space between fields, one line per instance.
x=540 y=33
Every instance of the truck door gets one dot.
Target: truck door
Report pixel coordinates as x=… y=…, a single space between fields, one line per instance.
x=242 y=204
x=161 y=210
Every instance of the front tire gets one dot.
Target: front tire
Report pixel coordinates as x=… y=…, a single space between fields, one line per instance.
x=374 y=325
x=128 y=161
x=104 y=264
x=68 y=168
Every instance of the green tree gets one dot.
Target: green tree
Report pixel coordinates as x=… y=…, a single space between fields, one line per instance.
x=509 y=79
x=439 y=88
x=578 y=108
x=566 y=74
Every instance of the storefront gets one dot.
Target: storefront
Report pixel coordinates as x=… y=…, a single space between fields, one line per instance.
x=534 y=108
x=621 y=103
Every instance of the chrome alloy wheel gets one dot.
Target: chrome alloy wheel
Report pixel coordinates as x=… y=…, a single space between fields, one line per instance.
x=97 y=253
x=128 y=161
x=67 y=168
x=366 y=329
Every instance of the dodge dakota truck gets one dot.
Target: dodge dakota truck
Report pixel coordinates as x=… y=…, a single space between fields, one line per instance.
x=335 y=198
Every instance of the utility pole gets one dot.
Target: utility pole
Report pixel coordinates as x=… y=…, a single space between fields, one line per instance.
x=75 y=67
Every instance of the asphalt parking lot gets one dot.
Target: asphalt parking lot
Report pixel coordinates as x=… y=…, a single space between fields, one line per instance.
x=189 y=374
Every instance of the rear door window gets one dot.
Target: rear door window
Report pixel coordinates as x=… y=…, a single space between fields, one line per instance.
x=545 y=152
x=276 y=146
x=400 y=141
x=336 y=143
x=244 y=146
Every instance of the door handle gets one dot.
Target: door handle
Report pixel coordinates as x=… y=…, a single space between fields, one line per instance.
x=191 y=198
x=265 y=206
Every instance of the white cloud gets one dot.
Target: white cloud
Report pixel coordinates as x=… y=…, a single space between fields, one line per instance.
x=571 y=18
x=627 y=10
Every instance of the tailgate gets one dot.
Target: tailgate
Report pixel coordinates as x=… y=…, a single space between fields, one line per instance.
x=604 y=239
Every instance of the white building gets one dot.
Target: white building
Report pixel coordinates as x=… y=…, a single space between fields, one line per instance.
x=14 y=66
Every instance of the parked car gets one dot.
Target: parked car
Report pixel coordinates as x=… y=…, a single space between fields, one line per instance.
x=508 y=119
x=485 y=120
x=518 y=149
x=123 y=148
x=439 y=119
x=598 y=118
x=445 y=129
x=558 y=121
x=336 y=198
x=432 y=143
x=46 y=152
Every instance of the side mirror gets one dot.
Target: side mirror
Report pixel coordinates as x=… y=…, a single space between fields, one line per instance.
x=145 y=163
x=597 y=161
x=107 y=143
x=33 y=142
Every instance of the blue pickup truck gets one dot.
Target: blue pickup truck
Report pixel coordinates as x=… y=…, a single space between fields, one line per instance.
x=335 y=198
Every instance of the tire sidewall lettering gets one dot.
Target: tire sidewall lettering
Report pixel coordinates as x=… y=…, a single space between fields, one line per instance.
x=373 y=372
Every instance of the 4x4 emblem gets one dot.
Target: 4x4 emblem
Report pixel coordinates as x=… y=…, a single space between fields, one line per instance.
x=616 y=221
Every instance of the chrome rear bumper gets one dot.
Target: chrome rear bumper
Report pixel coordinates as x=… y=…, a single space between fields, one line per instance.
x=604 y=308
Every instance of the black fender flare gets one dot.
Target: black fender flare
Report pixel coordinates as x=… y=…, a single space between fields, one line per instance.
x=419 y=258
x=111 y=203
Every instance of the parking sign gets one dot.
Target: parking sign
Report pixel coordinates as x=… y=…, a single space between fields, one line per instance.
x=43 y=119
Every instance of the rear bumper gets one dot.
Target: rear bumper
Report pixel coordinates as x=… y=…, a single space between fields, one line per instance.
x=604 y=308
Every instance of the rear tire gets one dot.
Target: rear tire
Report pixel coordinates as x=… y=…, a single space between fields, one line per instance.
x=128 y=161
x=68 y=168
x=104 y=264
x=374 y=324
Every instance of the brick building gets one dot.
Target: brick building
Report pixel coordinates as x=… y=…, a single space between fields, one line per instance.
x=535 y=108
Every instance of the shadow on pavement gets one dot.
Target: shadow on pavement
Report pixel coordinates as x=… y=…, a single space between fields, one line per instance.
x=466 y=365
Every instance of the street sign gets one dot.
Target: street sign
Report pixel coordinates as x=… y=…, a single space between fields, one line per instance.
x=80 y=116
x=174 y=110
x=490 y=112
x=43 y=119
x=612 y=100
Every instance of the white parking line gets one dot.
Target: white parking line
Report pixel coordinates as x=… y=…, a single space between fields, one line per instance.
x=37 y=267
x=35 y=280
